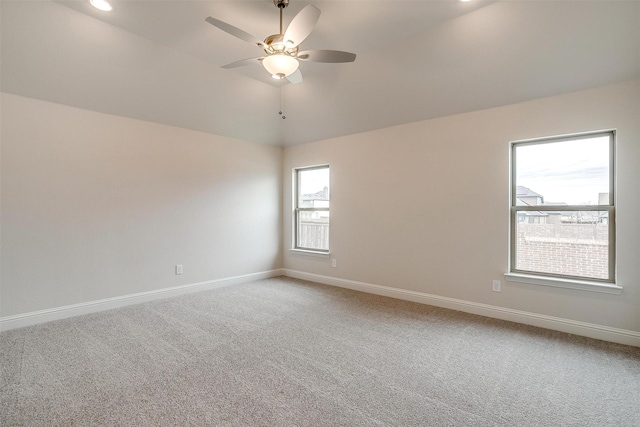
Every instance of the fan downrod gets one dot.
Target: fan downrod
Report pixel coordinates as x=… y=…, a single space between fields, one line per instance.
x=281 y=4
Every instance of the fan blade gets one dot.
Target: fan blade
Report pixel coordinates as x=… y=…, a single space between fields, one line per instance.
x=301 y=26
x=237 y=32
x=326 y=56
x=243 y=62
x=296 y=77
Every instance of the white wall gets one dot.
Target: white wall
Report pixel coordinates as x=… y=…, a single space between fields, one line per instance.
x=424 y=207
x=96 y=206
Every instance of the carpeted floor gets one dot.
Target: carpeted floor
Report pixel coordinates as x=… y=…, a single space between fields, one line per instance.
x=284 y=352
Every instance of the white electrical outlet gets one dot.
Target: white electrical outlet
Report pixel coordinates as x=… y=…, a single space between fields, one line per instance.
x=496 y=286
x=334 y=263
x=178 y=269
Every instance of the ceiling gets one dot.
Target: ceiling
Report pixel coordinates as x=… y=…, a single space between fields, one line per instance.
x=160 y=61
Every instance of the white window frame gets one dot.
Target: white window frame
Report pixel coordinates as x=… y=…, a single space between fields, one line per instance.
x=297 y=210
x=557 y=280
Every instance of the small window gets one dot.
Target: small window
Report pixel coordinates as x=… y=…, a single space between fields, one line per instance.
x=562 y=207
x=312 y=209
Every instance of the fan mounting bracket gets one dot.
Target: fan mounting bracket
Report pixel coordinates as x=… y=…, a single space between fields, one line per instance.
x=281 y=4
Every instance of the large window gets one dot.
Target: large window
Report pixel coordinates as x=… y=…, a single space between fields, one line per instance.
x=562 y=208
x=312 y=208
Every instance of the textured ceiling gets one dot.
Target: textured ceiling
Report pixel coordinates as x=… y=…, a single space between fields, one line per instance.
x=160 y=61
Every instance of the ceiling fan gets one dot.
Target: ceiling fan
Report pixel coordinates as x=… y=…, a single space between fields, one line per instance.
x=282 y=50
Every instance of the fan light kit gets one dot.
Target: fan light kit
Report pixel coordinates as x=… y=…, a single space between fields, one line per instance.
x=102 y=5
x=280 y=65
x=282 y=49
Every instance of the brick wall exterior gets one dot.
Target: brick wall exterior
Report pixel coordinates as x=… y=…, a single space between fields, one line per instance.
x=569 y=249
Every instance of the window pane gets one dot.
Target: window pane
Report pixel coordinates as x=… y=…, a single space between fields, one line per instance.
x=313 y=188
x=313 y=230
x=312 y=208
x=573 y=172
x=565 y=243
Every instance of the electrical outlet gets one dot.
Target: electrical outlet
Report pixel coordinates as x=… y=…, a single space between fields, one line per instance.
x=496 y=286
x=178 y=269
x=334 y=263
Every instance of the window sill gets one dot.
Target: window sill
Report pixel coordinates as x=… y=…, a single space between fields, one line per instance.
x=582 y=285
x=310 y=252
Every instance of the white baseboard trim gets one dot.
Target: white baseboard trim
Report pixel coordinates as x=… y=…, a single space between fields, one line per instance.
x=42 y=316
x=605 y=333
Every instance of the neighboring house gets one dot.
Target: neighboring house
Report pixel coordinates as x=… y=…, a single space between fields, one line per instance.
x=316 y=200
x=560 y=216
x=527 y=197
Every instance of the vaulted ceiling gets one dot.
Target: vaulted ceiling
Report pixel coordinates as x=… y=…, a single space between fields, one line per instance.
x=160 y=61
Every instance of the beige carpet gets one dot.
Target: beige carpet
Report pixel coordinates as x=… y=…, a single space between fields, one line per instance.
x=283 y=352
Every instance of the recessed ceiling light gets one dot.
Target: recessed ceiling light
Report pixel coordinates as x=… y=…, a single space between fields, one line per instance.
x=102 y=5
x=464 y=1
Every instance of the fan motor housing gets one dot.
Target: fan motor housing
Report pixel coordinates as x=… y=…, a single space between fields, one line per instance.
x=275 y=44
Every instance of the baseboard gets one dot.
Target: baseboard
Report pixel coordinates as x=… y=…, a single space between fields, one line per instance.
x=605 y=333
x=36 y=317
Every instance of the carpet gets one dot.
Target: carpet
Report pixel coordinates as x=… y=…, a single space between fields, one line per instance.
x=286 y=352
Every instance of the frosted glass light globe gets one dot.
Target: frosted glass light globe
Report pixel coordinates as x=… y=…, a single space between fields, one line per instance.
x=101 y=5
x=280 y=65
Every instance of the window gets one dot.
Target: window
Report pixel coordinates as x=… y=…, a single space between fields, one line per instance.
x=312 y=209
x=562 y=210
